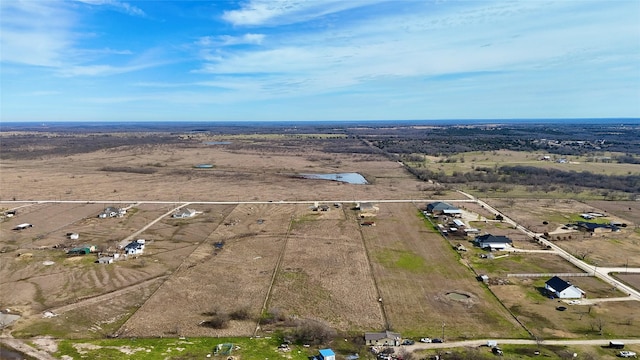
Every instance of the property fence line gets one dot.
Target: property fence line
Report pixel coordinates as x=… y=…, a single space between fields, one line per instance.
x=537 y=275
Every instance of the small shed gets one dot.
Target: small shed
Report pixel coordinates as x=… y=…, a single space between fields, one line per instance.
x=105 y=260
x=23 y=226
x=327 y=354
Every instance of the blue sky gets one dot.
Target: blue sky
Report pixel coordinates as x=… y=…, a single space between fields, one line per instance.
x=111 y=60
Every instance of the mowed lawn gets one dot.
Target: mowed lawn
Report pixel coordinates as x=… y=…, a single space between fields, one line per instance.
x=416 y=271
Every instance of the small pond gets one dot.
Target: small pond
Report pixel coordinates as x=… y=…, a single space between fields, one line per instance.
x=351 y=178
x=458 y=296
x=218 y=143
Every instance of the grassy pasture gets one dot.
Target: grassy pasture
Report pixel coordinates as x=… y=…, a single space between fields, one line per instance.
x=414 y=292
x=465 y=162
x=524 y=298
x=516 y=352
x=179 y=349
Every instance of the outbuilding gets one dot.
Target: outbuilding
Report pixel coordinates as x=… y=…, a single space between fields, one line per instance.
x=493 y=242
x=327 y=354
x=23 y=226
x=443 y=208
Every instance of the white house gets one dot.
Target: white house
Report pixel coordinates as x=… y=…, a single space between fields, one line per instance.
x=186 y=213
x=493 y=242
x=135 y=247
x=563 y=289
x=384 y=338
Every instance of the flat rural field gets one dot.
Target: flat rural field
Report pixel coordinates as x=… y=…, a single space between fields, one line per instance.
x=250 y=168
x=325 y=273
x=258 y=247
x=423 y=284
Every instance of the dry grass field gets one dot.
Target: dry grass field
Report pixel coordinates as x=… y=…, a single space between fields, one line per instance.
x=257 y=254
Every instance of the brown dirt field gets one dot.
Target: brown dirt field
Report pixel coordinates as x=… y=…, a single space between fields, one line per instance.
x=241 y=173
x=331 y=270
x=237 y=277
x=626 y=210
x=631 y=279
x=415 y=298
x=325 y=274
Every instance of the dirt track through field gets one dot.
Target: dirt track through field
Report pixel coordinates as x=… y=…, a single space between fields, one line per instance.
x=387 y=325
x=275 y=274
x=106 y=297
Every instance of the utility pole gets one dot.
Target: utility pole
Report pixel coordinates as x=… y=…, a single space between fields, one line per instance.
x=443 y=325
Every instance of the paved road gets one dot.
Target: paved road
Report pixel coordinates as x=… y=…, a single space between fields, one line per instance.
x=601 y=273
x=483 y=342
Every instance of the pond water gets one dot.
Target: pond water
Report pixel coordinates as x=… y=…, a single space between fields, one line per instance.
x=458 y=296
x=217 y=143
x=10 y=354
x=351 y=178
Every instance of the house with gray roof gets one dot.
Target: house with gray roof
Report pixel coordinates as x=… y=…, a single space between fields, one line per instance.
x=563 y=289
x=383 y=338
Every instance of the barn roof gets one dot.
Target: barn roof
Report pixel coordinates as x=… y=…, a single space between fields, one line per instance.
x=488 y=238
x=440 y=206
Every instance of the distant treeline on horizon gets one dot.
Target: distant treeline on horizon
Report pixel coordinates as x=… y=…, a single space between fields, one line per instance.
x=204 y=125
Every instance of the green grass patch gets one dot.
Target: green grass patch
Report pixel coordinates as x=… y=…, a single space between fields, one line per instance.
x=402 y=259
x=178 y=349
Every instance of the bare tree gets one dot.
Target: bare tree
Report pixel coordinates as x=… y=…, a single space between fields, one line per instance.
x=583 y=253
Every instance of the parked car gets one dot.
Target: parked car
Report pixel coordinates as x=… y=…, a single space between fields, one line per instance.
x=408 y=342
x=497 y=351
x=425 y=340
x=627 y=354
x=436 y=340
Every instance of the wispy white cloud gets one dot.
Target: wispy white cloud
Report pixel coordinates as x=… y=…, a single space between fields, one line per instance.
x=35 y=32
x=426 y=42
x=226 y=40
x=278 y=12
x=117 y=5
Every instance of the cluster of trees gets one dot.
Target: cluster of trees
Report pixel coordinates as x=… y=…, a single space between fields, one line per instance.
x=534 y=176
x=558 y=139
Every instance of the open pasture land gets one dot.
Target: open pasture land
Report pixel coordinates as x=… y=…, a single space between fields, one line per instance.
x=629 y=211
x=629 y=278
x=252 y=168
x=325 y=273
x=520 y=263
x=525 y=298
x=220 y=280
x=611 y=249
x=423 y=284
x=468 y=161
